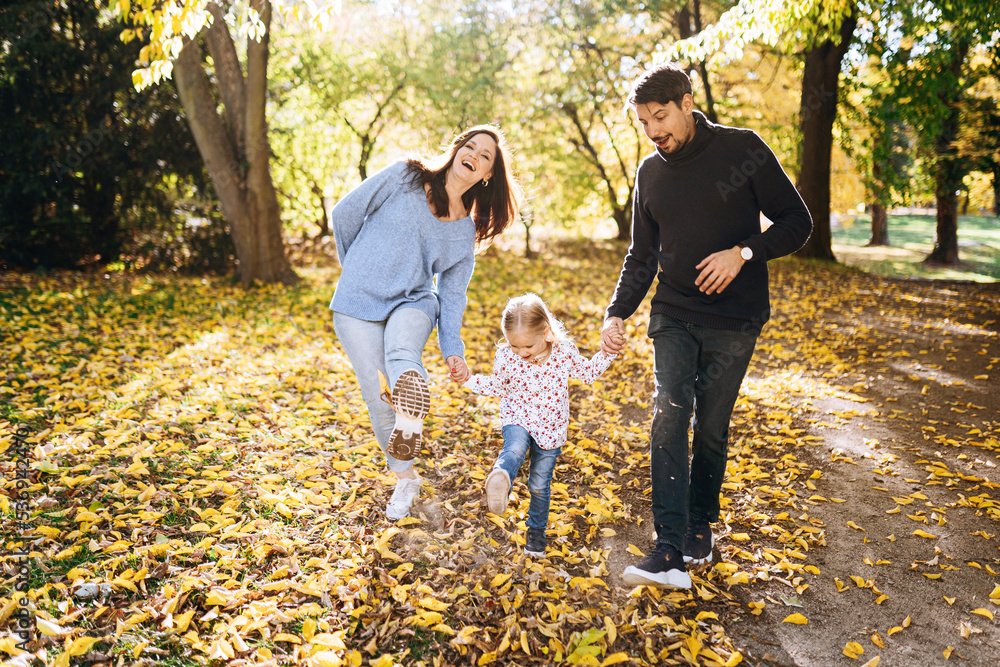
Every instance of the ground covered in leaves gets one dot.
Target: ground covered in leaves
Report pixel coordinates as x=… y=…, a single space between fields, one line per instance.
x=204 y=488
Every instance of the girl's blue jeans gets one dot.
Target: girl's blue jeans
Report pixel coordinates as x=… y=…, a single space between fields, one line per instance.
x=392 y=346
x=517 y=445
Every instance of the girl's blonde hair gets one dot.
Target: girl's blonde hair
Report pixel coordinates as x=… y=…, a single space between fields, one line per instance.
x=529 y=314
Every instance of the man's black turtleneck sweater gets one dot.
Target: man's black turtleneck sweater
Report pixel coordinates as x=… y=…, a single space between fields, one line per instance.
x=707 y=197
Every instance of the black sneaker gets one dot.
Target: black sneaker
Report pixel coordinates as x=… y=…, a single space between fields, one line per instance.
x=664 y=566
x=535 y=543
x=698 y=543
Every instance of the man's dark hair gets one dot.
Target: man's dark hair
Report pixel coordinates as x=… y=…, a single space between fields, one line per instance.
x=662 y=84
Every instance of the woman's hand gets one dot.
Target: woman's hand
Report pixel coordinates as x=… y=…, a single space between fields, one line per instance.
x=459 y=371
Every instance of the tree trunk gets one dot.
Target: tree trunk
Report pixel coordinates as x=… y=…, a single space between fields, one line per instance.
x=216 y=147
x=324 y=219
x=703 y=68
x=689 y=24
x=949 y=170
x=880 y=226
x=272 y=265
x=996 y=190
x=527 y=216
x=237 y=158
x=818 y=110
x=623 y=219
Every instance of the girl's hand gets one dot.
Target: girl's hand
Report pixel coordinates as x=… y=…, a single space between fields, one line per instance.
x=458 y=370
x=613 y=335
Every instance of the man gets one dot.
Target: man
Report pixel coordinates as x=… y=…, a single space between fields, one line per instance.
x=696 y=223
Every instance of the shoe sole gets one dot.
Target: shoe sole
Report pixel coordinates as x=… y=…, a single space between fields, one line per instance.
x=633 y=576
x=704 y=560
x=410 y=399
x=535 y=554
x=497 y=492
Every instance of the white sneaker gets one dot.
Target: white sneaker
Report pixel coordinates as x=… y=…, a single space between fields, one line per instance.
x=497 y=491
x=398 y=506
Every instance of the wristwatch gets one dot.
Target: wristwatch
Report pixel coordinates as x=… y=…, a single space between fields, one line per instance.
x=745 y=252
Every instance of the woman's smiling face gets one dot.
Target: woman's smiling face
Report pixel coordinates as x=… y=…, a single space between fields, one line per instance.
x=474 y=160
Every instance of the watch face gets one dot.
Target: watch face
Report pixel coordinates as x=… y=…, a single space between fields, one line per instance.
x=746 y=253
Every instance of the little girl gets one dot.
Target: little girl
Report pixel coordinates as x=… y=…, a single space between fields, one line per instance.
x=531 y=374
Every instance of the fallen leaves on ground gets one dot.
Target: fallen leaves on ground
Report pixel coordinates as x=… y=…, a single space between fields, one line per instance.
x=205 y=487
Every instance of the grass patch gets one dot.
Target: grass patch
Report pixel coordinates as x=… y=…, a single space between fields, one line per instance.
x=912 y=239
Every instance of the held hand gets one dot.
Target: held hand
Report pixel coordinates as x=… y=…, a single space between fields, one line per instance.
x=613 y=335
x=458 y=370
x=718 y=270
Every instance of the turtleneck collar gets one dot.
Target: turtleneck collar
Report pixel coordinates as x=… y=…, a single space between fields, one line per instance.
x=703 y=133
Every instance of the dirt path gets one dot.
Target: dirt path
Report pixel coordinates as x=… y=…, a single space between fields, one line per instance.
x=908 y=443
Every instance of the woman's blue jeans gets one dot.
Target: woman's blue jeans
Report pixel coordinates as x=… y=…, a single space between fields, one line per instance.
x=517 y=443
x=699 y=370
x=392 y=346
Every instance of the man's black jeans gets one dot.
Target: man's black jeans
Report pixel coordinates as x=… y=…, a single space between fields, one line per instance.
x=697 y=369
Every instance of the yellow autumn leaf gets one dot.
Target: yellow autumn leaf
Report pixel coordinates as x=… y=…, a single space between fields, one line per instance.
x=797 y=619
x=853 y=650
x=921 y=533
x=433 y=604
x=499 y=580
x=634 y=550
x=872 y=663
x=81 y=645
x=49 y=628
x=983 y=612
x=612 y=631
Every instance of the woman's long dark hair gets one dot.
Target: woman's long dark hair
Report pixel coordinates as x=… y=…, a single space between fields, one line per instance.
x=493 y=206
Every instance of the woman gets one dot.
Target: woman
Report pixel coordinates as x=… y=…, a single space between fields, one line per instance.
x=406 y=238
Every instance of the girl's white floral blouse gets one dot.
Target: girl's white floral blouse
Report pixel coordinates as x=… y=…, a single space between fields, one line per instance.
x=536 y=396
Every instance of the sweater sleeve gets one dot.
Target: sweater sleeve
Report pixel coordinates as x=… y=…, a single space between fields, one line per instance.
x=780 y=202
x=491 y=385
x=453 y=283
x=350 y=213
x=583 y=369
x=641 y=262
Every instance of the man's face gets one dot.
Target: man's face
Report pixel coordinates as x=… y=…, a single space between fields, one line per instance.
x=668 y=126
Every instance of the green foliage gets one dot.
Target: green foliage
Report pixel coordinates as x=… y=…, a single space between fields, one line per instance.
x=90 y=170
x=883 y=147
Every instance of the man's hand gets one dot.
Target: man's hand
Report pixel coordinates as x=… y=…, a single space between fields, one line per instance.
x=458 y=370
x=613 y=335
x=718 y=270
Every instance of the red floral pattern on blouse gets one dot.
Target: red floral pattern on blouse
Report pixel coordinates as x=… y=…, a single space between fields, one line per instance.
x=536 y=396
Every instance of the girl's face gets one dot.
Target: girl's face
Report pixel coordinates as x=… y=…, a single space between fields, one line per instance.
x=528 y=345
